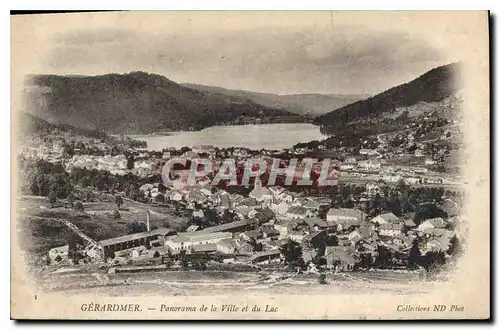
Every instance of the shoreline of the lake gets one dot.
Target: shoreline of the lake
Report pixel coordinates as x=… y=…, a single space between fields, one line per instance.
x=261 y=136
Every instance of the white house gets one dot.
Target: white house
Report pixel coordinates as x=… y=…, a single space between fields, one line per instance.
x=296 y=236
x=198 y=214
x=391 y=229
x=226 y=246
x=354 y=237
x=430 y=162
x=372 y=189
x=412 y=180
x=368 y=152
x=282 y=229
x=428 y=226
x=346 y=167
x=350 y=160
x=261 y=194
x=280 y=208
x=391 y=178
x=385 y=218
x=342 y=214
x=61 y=251
x=370 y=164
x=298 y=212
x=187 y=240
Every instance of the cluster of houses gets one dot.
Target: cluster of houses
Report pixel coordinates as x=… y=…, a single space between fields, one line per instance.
x=283 y=204
x=37 y=149
x=391 y=174
x=356 y=238
x=116 y=165
x=269 y=218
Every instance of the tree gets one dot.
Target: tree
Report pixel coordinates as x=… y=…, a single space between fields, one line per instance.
x=431 y=261
x=118 y=201
x=384 y=257
x=130 y=162
x=136 y=227
x=322 y=279
x=414 y=256
x=160 y=198
x=68 y=150
x=199 y=264
x=257 y=247
x=428 y=211
x=52 y=197
x=319 y=258
x=183 y=259
x=79 y=207
x=117 y=215
x=376 y=203
x=455 y=248
x=323 y=210
x=70 y=198
x=292 y=251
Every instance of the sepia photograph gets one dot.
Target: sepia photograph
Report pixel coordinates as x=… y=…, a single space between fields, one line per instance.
x=323 y=165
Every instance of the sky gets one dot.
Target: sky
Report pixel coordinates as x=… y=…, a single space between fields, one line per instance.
x=282 y=53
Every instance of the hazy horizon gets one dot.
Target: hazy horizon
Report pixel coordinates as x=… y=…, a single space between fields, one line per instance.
x=266 y=52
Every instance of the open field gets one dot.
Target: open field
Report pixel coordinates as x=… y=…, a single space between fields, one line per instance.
x=195 y=283
x=40 y=230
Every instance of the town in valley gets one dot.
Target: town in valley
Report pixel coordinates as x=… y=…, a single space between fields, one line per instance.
x=92 y=202
x=365 y=127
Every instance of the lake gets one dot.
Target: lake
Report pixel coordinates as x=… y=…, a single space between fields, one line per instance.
x=268 y=136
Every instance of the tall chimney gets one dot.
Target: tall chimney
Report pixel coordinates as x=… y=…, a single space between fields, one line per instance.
x=147 y=220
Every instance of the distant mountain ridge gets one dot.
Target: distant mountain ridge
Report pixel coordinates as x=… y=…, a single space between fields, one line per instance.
x=138 y=102
x=433 y=86
x=302 y=104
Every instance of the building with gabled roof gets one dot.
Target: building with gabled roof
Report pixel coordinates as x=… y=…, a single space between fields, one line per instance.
x=269 y=231
x=203 y=248
x=391 y=229
x=112 y=245
x=385 y=218
x=429 y=225
x=234 y=226
x=338 y=215
x=298 y=212
x=316 y=223
x=315 y=238
x=251 y=235
x=268 y=255
x=227 y=246
x=260 y=193
x=340 y=258
x=185 y=240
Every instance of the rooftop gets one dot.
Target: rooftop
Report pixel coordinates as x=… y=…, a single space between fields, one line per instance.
x=259 y=192
x=200 y=236
x=133 y=237
x=315 y=221
x=310 y=236
x=268 y=253
x=388 y=217
x=392 y=226
x=225 y=226
x=253 y=233
x=297 y=210
x=350 y=213
x=204 y=247
x=340 y=253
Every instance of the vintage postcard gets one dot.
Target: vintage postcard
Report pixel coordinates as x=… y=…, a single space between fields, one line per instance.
x=250 y=165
